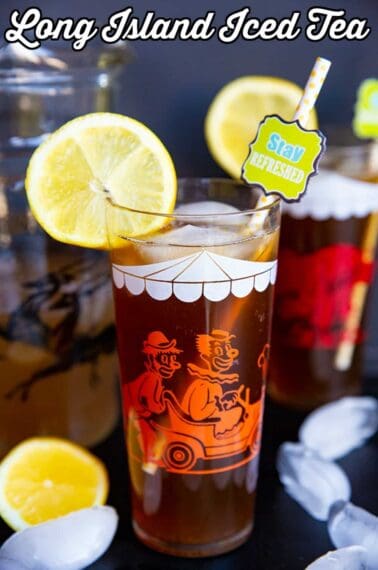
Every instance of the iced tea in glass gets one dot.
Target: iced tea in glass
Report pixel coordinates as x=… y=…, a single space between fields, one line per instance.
x=193 y=313
x=326 y=256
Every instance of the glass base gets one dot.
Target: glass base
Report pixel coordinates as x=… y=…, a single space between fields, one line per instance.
x=194 y=550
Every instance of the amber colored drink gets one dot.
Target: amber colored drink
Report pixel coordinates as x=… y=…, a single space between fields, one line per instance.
x=193 y=327
x=319 y=263
x=326 y=255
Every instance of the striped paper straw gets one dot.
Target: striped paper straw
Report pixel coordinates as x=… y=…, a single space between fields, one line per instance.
x=310 y=94
x=311 y=91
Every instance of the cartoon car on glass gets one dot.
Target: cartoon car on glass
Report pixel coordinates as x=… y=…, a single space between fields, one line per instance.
x=190 y=444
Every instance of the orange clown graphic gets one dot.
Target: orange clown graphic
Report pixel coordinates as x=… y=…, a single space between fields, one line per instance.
x=160 y=364
x=213 y=418
x=147 y=390
x=212 y=395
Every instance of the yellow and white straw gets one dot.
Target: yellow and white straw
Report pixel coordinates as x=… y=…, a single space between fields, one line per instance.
x=311 y=91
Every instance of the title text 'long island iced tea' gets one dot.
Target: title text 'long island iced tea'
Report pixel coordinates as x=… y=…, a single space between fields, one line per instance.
x=193 y=311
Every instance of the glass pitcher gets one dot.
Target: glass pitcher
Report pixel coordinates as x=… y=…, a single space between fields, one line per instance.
x=57 y=349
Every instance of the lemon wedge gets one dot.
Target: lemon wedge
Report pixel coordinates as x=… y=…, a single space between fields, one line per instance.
x=44 y=478
x=234 y=115
x=70 y=174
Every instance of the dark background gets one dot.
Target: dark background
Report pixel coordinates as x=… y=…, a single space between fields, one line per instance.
x=170 y=85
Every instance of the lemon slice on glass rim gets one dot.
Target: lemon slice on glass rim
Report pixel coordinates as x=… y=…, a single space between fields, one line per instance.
x=70 y=174
x=44 y=477
x=235 y=113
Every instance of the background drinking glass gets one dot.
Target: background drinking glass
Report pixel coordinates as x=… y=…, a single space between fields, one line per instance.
x=193 y=311
x=57 y=364
x=326 y=265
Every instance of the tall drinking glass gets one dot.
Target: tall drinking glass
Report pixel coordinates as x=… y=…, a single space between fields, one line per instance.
x=326 y=266
x=193 y=308
x=57 y=339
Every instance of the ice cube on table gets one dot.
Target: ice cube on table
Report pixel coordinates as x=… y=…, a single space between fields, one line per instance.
x=315 y=483
x=335 y=429
x=71 y=542
x=349 y=558
x=350 y=525
x=7 y=564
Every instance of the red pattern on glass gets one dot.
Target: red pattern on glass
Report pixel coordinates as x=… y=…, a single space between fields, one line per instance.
x=313 y=294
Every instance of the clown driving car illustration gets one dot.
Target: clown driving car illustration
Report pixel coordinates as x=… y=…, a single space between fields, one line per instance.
x=211 y=420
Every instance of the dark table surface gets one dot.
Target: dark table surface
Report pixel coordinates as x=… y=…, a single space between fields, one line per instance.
x=285 y=537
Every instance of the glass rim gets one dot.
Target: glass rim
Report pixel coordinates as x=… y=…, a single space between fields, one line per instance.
x=202 y=180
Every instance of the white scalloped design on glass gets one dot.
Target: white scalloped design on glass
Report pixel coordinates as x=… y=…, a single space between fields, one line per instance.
x=202 y=273
x=331 y=195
